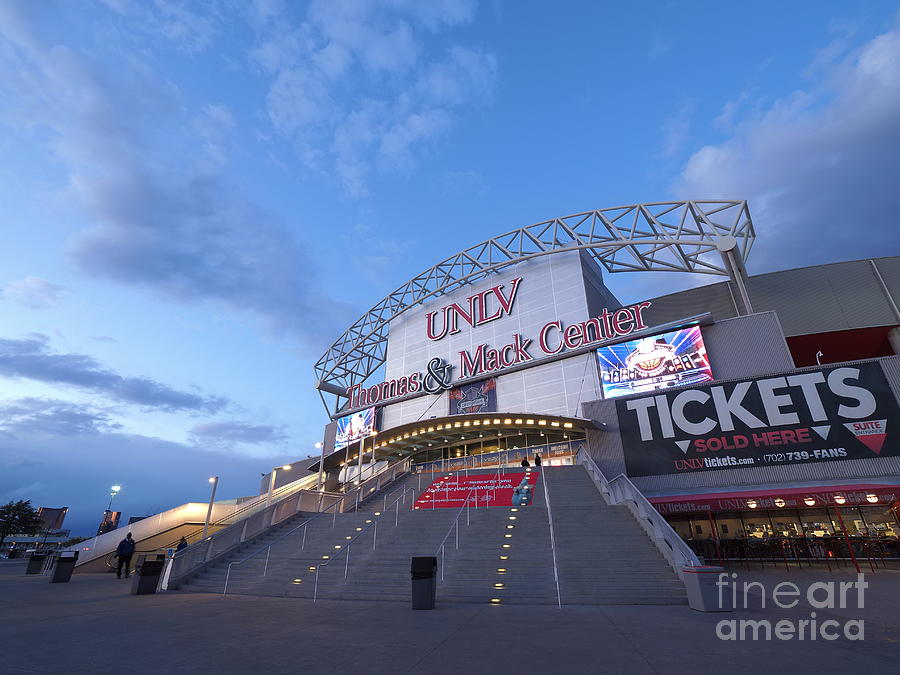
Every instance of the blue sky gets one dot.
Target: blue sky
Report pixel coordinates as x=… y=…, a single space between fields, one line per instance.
x=199 y=196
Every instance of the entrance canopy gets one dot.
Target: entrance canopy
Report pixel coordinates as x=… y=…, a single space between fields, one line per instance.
x=461 y=434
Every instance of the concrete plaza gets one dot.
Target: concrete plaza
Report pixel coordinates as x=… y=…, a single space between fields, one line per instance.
x=93 y=625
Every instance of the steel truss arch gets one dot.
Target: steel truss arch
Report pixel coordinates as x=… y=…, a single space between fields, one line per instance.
x=682 y=236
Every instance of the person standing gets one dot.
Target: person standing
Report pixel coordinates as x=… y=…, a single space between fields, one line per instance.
x=182 y=544
x=537 y=461
x=124 y=552
x=525 y=462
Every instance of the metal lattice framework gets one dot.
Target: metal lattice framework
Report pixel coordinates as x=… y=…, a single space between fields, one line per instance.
x=656 y=237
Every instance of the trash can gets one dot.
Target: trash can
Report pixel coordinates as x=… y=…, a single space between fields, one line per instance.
x=424 y=581
x=704 y=592
x=36 y=562
x=147 y=573
x=65 y=565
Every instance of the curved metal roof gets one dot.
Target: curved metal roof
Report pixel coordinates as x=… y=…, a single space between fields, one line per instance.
x=655 y=237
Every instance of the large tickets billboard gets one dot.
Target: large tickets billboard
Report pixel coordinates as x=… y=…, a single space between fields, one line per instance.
x=656 y=362
x=822 y=415
x=352 y=428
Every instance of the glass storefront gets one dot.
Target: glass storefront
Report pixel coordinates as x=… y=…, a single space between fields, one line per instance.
x=860 y=521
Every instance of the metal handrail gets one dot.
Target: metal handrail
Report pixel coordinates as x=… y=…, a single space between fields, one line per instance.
x=455 y=523
x=342 y=500
x=552 y=537
x=374 y=524
x=497 y=456
x=268 y=547
x=305 y=524
x=673 y=548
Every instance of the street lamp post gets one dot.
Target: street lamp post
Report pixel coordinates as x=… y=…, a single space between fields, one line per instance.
x=286 y=467
x=212 y=498
x=113 y=491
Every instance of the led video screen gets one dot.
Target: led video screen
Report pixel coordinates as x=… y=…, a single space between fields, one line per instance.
x=656 y=362
x=351 y=428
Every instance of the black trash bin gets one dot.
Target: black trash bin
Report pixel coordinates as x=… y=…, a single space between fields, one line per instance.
x=424 y=581
x=147 y=573
x=36 y=562
x=65 y=565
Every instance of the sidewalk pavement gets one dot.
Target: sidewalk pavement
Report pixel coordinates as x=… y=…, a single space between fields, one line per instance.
x=93 y=625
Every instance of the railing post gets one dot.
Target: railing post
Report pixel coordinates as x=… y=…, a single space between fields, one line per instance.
x=356 y=508
x=303 y=543
x=266 y=568
x=397 y=516
x=316 y=588
x=375 y=535
x=347 y=561
x=457 y=532
x=227 y=574
x=442 y=562
x=334 y=516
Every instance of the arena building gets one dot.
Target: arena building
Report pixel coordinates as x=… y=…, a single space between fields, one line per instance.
x=754 y=407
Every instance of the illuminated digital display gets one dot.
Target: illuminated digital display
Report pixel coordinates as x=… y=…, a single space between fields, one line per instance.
x=655 y=362
x=352 y=428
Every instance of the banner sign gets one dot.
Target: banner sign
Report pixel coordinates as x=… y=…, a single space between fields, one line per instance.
x=477 y=397
x=846 y=412
x=669 y=359
x=486 y=489
x=354 y=427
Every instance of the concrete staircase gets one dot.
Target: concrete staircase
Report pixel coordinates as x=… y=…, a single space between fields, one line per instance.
x=603 y=555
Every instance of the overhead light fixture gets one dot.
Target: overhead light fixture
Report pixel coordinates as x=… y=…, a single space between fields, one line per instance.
x=779 y=502
x=809 y=501
x=752 y=503
x=840 y=499
x=871 y=498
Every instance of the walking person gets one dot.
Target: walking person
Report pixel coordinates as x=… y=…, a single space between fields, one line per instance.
x=124 y=552
x=537 y=461
x=525 y=462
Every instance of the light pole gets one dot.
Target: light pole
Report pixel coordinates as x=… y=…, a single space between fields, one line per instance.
x=286 y=467
x=319 y=483
x=113 y=491
x=212 y=498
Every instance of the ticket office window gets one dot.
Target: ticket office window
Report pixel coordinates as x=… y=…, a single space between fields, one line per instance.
x=853 y=521
x=786 y=523
x=730 y=525
x=816 y=523
x=682 y=527
x=881 y=521
x=758 y=525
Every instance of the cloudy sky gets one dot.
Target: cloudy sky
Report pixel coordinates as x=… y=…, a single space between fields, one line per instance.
x=198 y=196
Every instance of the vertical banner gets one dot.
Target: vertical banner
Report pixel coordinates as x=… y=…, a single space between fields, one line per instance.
x=476 y=397
x=846 y=412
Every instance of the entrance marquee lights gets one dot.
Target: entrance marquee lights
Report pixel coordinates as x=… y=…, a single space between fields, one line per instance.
x=553 y=339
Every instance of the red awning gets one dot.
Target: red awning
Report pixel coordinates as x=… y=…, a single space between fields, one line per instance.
x=824 y=495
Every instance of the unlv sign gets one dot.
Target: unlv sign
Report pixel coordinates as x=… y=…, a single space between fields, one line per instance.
x=479 y=309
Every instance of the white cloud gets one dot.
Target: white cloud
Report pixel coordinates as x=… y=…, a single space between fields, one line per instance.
x=34 y=293
x=356 y=88
x=819 y=166
x=676 y=128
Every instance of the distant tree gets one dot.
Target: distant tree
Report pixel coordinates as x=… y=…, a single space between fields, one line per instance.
x=19 y=518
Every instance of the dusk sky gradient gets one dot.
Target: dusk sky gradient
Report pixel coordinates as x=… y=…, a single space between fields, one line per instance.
x=198 y=197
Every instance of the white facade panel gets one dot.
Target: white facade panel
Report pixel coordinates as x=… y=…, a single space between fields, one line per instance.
x=552 y=288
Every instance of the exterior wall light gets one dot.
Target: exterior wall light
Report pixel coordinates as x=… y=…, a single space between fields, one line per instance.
x=810 y=501
x=752 y=503
x=840 y=499
x=872 y=498
x=779 y=502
